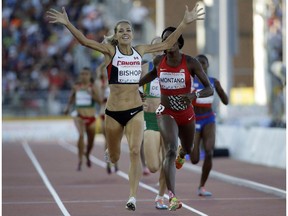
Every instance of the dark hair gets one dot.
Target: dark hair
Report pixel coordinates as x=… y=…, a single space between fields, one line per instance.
x=180 y=39
x=203 y=56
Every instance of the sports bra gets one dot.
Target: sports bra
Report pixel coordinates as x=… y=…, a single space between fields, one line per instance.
x=83 y=97
x=124 y=69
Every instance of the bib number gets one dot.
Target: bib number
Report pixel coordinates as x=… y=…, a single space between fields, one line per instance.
x=160 y=109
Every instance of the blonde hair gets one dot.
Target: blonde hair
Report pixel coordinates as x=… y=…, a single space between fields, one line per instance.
x=111 y=38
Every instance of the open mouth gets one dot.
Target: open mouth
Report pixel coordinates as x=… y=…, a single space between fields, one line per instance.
x=125 y=37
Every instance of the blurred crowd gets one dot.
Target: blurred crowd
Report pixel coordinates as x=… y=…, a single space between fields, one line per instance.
x=41 y=57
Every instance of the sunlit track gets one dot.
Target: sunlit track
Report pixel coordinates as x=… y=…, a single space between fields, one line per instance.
x=138 y=200
x=102 y=164
x=45 y=179
x=240 y=181
x=83 y=193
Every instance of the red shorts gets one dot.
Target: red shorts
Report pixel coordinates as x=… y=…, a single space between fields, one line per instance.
x=88 y=120
x=181 y=117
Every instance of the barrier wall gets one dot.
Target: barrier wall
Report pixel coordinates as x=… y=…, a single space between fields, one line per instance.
x=266 y=146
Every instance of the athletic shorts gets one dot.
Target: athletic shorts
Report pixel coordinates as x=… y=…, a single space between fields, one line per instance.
x=182 y=117
x=123 y=117
x=88 y=120
x=204 y=119
x=150 y=121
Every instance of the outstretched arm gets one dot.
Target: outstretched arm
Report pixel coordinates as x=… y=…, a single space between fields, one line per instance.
x=152 y=74
x=189 y=17
x=58 y=17
x=223 y=96
x=71 y=101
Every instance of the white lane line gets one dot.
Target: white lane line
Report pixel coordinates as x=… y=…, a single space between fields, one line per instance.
x=44 y=178
x=229 y=179
x=125 y=176
x=239 y=181
x=143 y=200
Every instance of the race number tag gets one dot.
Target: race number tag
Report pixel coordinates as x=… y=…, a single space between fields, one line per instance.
x=83 y=98
x=155 y=88
x=170 y=80
x=160 y=109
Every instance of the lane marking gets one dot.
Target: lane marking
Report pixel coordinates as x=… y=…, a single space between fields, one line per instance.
x=231 y=179
x=239 y=181
x=125 y=175
x=46 y=181
x=142 y=200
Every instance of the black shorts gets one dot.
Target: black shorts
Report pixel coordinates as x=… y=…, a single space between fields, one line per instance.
x=123 y=117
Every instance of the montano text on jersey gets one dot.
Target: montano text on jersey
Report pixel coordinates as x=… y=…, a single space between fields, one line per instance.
x=125 y=69
x=170 y=80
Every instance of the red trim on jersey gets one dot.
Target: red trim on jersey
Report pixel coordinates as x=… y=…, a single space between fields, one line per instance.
x=109 y=69
x=183 y=66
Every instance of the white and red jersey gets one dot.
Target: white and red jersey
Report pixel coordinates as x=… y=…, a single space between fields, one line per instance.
x=205 y=101
x=125 y=69
x=174 y=80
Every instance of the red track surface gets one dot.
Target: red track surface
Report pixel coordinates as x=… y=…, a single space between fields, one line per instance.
x=94 y=192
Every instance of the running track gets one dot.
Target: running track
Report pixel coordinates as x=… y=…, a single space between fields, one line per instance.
x=41 y=179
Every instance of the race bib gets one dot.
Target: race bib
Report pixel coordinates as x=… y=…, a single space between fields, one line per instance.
x=129 y=71
x=160 y=109
x=170 y=80
x=83 y=98
x=155 y=88
x=129 y=76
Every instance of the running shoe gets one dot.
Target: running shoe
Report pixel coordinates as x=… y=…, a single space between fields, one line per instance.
x=159 y=204
x=179 y=161
x=203 y=192
x=88 y=163
x=107 y=156
x=116 y=167
x=174 y=204
x=108 y=168
x=131 y=204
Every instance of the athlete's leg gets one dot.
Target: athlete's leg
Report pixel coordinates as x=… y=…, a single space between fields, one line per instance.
x=80 y=144
x=146 y=171
x=162 y=181
x=169 y=132
x=195 y=154
x=90 y=130
x=208 y=143
x=152 y=149
x=186 y=135
x=134 y=133
x=103 y=132
x=114 y=134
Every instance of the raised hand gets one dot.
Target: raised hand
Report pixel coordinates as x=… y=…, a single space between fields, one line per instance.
x=57 y=17
x=193 y=15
